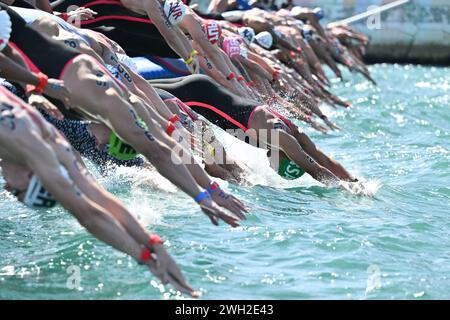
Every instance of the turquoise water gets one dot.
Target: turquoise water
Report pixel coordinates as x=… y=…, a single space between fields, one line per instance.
x=302 y=240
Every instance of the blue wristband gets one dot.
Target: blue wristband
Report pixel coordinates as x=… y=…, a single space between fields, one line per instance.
x=202 y=195
x=213 y=187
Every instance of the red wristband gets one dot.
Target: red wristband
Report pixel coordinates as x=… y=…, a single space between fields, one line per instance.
x=145 y=255
x=174 y=118
x=39 y=88
x=155 y=239
x=230 y=76
x=250 y=84
x=240 y=78
x=170 y=128
x=64 y=16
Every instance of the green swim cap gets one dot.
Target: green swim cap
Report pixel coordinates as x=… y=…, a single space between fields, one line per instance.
x=289 y=169
x=119 y=149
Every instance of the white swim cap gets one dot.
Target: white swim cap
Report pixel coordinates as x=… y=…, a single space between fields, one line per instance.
x=174 y=11
x=264 y=39
x=296 y=10
x=126 y=60
x=37 y=197
x=5 y=29
x=247 y=33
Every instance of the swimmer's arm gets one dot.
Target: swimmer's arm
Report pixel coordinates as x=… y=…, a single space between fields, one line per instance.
x=171 y=34
x=12 y=71
x=44 y=5
x=255 y=68
x=209 y=69
x=260 y=60
x=151 y=94
x=195 y=30
x=43 y=163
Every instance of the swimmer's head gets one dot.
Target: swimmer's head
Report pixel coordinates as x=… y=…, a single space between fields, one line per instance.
x=319 y=13
x=119 y=149
x=284 y=166
x=5 y=29
x=30 y=191
x=46 y=26
x=264 y=39
x=174 y=11
x=248 y=34
x=212 y=30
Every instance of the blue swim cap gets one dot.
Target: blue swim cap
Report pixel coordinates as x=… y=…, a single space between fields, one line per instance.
x=319 y=13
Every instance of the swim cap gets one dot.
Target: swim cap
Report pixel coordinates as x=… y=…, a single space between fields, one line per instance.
x=174 y=11
x=299 y=23
x=307 y=33
x=247 y=33
x=296 y=10
x=37 y=197
x=126 y=60
x=212 y=30
x=119 y=149
x=289 y=169
x=5 y=29
x=319 y=13
x=264 y=39
x=232 y=47
x=243 y=5
x=114 y=71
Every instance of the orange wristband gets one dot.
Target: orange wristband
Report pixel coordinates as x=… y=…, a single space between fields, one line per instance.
x=39 y=88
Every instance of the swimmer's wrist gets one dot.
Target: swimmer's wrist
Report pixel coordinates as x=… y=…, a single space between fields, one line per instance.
x=174 y=118
x=213 y=187
x=146 y=253
x=40 y=87
x=64 y=16
x=202 y=196
x=191 y=57
x=170 y=128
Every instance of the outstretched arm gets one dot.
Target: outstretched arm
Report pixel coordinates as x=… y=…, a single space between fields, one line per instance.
x=171 y=34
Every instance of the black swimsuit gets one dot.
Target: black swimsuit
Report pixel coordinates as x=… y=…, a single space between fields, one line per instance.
x=215 y=103
x=40 y=52
x=136 y=33
x=220 y=106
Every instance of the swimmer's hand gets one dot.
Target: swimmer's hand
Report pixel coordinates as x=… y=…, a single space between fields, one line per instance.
x=215 y=213
x=330 y=124
x=80 y=14
x=165 y=269
x=318 y=126
x=38 y=101
x=357 y=188
x=231 y=203
x=57 y=89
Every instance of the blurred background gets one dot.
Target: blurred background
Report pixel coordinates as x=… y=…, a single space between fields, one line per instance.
x=415 y=32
